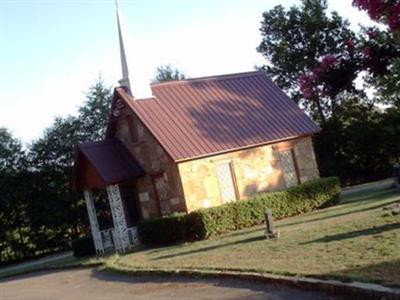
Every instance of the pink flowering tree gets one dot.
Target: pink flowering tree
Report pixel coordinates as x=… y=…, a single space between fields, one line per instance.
x=309 y=43
x=382 y=49
x=376 y=52
x=331 y=76
x=315 y=57
x=383 y=11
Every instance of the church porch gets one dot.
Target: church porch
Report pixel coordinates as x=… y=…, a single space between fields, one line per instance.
x=108 y=166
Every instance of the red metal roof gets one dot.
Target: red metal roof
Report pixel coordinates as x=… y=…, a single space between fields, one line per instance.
x=110 y=160
x=205 y=116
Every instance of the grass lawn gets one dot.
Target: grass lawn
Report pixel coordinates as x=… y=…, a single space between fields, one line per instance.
x=62 y=262
x=355 y=240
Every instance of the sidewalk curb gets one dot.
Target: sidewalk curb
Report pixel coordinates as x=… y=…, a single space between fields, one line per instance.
x=352 y=290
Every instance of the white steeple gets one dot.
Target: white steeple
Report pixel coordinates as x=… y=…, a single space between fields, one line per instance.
x=124 y=81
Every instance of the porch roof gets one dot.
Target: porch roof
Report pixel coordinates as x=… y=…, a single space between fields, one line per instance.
x=102 y=163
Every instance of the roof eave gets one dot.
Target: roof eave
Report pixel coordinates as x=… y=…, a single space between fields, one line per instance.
x=181 y=160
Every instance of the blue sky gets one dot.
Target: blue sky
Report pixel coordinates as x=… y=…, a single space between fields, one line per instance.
x=51 y=51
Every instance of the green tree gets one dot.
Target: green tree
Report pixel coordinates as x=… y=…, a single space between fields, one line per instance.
x=38 y=210
x=51 y=158
x=376 y=52
x=382 y=49
x=167 y=73
x=11 y=152
x=294 y=41
x=358 y=145
x=53 y=155
x=95 y=111
x=387 y=85
x=316 y=59
x=13 y=217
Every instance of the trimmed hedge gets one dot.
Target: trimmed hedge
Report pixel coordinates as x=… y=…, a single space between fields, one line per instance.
x=169 y=229
x=212 y=221
x=83 y=246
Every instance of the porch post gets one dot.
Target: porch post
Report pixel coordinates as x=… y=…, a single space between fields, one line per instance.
x=118 y=215
x=94 y=225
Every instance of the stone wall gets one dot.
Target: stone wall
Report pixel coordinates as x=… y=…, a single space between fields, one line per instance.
x=255 y=170
x=155 y=162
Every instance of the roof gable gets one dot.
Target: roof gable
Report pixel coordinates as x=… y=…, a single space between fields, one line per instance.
x=200 y=117
x=102 y=163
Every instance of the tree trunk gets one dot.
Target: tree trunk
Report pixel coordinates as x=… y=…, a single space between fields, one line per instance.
x=320 y=112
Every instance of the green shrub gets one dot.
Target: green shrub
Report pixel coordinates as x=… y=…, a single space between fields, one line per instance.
x=83 y=246
x=168 y=230
x=212 y=221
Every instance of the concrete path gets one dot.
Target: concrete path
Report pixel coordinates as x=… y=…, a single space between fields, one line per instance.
x=85 y=284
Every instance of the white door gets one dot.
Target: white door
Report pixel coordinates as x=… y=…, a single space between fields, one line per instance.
x=226 y=183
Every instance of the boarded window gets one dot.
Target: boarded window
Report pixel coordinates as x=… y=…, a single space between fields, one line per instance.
x=162 y=190
x=226 y=182
x=132 y=128
x=289 y=169
x=161 y=187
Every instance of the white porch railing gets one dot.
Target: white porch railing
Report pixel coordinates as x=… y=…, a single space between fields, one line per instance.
x=120 y=238
x=108 y=238
x=133 y=236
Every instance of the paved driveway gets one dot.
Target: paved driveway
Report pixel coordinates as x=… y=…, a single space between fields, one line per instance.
x=87 y=284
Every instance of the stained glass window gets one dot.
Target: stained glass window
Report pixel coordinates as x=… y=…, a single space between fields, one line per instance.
x=226 y=183
x=288 y=168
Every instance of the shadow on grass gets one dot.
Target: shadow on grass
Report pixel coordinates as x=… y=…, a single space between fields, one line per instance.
x=365 y=195
x=355 y=234
x=242 y=231
x=339 y=214
x=209 y=248
x=385 y=273
x=155 y=250
x=345 y=206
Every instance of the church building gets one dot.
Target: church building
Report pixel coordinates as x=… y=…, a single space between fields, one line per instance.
x=195 y=143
